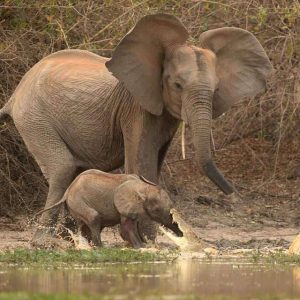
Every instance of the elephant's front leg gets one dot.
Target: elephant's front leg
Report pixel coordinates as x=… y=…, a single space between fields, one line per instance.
x=146 y=166
x=141 y=158
x=146 y=141
x=129 y=232
x=141 y=153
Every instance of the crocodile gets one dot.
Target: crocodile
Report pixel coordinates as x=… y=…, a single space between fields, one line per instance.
x=295 y=246
x=189 y=242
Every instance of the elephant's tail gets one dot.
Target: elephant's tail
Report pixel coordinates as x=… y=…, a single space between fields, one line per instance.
x=6 y=109
x=63 y=200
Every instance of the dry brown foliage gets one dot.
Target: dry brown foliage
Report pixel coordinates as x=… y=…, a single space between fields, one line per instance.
x=30 y=30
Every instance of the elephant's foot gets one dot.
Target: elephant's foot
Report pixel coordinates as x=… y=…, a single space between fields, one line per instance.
x=234 y=197
x=229 y=201
x=138 y=245
x=295 y=246
x=44 y=238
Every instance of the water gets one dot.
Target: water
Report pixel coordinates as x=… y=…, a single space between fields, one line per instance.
x=183 y=277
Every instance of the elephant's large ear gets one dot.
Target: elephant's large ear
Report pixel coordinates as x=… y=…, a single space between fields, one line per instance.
x=137 y=60
x=242 y=65
x=128 y=200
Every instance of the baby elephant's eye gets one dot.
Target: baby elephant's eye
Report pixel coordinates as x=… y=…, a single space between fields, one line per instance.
x=178 y=86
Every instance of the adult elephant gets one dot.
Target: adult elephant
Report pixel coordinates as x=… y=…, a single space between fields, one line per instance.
x=76 y=110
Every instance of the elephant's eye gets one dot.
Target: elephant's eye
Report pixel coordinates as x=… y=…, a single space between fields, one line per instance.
x=178 y=86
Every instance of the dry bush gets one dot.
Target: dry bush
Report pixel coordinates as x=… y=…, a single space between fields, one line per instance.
x=30 y=30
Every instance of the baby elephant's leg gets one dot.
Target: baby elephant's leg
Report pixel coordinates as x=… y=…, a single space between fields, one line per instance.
x=80 y=226
x=129 y=232
x=148 y=229
x=90 y=217
x=94 y=224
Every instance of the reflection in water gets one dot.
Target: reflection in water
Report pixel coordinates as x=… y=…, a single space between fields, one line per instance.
x=181 y=277
x=296 y=279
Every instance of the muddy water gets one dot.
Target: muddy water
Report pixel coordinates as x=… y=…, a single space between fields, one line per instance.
x=183 y=277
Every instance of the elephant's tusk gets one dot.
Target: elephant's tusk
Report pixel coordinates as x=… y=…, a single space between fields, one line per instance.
x=183 y=139
x=213 y=145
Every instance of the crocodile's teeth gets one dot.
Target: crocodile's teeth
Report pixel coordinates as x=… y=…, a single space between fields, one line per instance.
x=181 y=242
x=186 y=229
x=189 y=240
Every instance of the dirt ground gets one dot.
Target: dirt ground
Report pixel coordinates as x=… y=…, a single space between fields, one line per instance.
x=224 y=233
x=265 y=216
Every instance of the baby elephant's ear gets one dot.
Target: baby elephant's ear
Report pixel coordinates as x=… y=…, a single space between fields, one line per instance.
x=128 y=200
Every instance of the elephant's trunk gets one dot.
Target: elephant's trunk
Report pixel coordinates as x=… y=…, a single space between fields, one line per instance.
x=197 y=106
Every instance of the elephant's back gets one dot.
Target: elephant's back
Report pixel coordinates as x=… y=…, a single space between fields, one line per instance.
x=74 y=59
x=96 y=189
x=98 y=182
x=66 y=74
x=70 y=67
x=81 y=55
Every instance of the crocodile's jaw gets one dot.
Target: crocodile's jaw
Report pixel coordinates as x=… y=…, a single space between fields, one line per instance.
x=295 y=246
x=181 y=242
x=187 y=230
x=189 y=241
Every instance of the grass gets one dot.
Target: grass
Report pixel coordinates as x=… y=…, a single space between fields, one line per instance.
x=283 y=258
x=83 y=257
x=277 y=257
x=71 y=257
x=40 y=296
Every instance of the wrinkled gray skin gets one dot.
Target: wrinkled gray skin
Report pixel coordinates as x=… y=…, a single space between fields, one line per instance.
x=76 y=110
x=99 y=200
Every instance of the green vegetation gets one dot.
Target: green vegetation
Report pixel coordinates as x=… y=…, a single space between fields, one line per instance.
x=283 y=258
x=277 y=257
x=116 y=255
x=82 y=257
x=39 y=296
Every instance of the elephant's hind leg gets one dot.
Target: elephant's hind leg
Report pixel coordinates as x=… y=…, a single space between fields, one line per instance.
x=94 y=224
x=60 y=177
x=86 y=216
x=57 y=165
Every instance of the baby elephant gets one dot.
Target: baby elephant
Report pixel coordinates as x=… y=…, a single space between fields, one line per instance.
x=98 y=199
